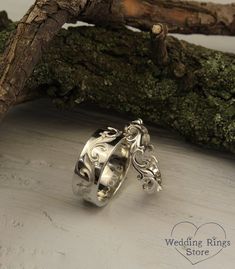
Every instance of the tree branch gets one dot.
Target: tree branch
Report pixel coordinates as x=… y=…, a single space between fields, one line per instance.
x=185 y=17
x=46 y=17
x=158 y=35
x=35 y=30
x=193 y=94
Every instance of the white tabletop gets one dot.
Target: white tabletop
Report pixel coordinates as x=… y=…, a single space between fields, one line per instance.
x=43 y=225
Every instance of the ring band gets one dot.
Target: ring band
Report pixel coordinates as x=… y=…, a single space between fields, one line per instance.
x=105 y=160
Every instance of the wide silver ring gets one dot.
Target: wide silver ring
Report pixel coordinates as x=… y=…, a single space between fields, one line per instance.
x=105 y=160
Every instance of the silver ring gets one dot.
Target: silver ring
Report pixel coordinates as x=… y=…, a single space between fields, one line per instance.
x=105 y=160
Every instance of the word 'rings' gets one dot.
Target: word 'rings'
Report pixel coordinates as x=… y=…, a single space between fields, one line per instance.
x=105 y=160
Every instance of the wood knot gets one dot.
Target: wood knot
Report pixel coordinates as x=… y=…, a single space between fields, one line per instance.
x=179 y=70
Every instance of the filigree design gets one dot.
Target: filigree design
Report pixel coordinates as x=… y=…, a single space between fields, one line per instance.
x=100 y=145
x=142 y=158
x=110 y=133
x=96 y=154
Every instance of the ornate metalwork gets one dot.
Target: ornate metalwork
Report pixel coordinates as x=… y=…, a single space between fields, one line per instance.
x=96 y=153
x=105 y=158
x=142 y=158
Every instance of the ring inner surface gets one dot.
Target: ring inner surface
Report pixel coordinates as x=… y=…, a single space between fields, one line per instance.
x=114 y=172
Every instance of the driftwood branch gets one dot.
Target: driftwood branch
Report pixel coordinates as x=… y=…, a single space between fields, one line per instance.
x=193 y=94
x=178 y=85
x=45 y=18
x=34 y=31
x=185 y=17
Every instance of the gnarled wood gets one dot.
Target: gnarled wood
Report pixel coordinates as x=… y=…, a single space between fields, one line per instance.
x=35 y=30
x=32 y=35
x=193 y=94
x=185 y=17
x=45 y=18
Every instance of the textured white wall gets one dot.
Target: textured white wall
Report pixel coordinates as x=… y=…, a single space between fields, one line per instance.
x=16 y=10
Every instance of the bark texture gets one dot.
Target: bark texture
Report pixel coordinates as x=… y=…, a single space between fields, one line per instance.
x=32 y=35
x=158 y=44
x=193 y=94
x=44 y=19
x=185 y=17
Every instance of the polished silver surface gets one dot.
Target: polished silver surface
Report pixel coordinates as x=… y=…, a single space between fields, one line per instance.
x=105 y=159
x=142 y=157
x=102 y=166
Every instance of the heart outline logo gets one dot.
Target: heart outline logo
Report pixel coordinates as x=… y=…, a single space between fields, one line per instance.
x=197 y=228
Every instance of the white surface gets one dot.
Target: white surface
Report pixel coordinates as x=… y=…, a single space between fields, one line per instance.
x=16 y=9
x=43 y=225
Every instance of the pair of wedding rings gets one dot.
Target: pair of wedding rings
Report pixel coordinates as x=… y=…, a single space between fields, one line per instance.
x=105 y=160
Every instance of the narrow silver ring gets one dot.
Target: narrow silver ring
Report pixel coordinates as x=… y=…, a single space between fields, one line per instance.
x=105 y=160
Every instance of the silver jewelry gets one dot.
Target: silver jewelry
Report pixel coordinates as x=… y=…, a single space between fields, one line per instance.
x=106 y=158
